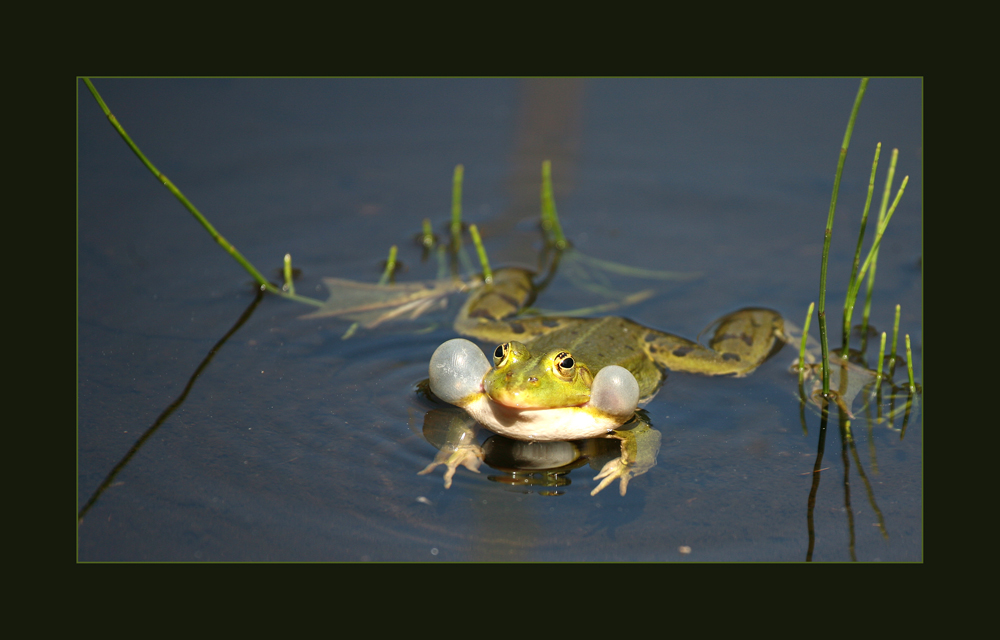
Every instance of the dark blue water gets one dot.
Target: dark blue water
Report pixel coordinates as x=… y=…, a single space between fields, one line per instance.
x=296 y=445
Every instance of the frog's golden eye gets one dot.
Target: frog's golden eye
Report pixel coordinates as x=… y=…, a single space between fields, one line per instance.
x=565 y=363
x=500 y=353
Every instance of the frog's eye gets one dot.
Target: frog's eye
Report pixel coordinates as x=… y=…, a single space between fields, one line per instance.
x=500 y=353
x=565 y=363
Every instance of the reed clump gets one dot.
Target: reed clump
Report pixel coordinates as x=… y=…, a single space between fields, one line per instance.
x=859 y=269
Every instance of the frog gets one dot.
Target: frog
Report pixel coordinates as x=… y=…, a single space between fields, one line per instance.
x=560 y=378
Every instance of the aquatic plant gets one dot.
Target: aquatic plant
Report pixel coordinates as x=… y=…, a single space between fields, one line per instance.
x=858 y=269
x=829 y=233
x=264 y=284
x=287 y=290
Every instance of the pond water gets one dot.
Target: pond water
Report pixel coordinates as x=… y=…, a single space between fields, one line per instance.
x=293 y=444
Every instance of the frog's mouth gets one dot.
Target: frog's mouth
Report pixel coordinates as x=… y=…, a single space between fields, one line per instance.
x=551 y=424
x=516 y=400
x=614 y=392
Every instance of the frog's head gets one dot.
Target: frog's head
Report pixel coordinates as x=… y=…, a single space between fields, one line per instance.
x=522 y=380
x=460 y=374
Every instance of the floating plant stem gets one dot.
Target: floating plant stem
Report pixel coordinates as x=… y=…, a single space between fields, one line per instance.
x=886 y=193
x=225 y=244
x=805 y=335
x=828 y=233
x=909 y=365
x=289 y=285
x=456 y=207
x=849 y=299
x=481 y=252
x=390 y=266
x=550 y=219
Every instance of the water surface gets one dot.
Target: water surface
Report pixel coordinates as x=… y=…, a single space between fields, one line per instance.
x=296 y=445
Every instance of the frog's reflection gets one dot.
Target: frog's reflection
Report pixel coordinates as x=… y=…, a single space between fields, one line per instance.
x=627 y=452
x=542 y=466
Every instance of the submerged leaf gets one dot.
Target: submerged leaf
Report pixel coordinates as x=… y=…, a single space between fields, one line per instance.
x=372 y=304
x=846 y=382
x=574 y=256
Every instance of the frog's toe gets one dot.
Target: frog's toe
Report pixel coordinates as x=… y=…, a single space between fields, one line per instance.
x=457 y=369
x=469 y=456
x=615 y=391
x=613 y=470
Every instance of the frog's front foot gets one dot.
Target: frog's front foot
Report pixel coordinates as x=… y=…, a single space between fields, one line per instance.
x=617 y=468
x=468 y=455
x=640 y=446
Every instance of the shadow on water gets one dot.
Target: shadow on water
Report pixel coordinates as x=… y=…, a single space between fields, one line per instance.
x=171 y=408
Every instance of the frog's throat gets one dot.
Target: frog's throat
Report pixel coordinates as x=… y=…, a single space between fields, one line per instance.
x=542 y=425
x=456 y=371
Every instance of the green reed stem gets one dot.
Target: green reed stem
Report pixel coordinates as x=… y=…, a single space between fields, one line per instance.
x=390 y=266
x=880 y=231
x=881 y=355
x=886 y=193
x=261 y=280
x=427 y=234
x=849 y=300
x=828 y=233
x=909 y=365
x=456 y=207
x=225 y=244
x=481 y=252
x=805 y=335
x=895 y=336
x=351 y=330
x=550 y=219
x=289 y=285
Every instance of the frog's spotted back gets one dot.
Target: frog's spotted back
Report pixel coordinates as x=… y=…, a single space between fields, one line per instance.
x=742 y=340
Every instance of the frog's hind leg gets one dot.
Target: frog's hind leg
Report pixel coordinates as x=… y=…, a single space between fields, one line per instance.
x=753 y=335
x=742 y=341
x=491 y=313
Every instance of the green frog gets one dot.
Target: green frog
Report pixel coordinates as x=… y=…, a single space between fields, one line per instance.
x=565 y=378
